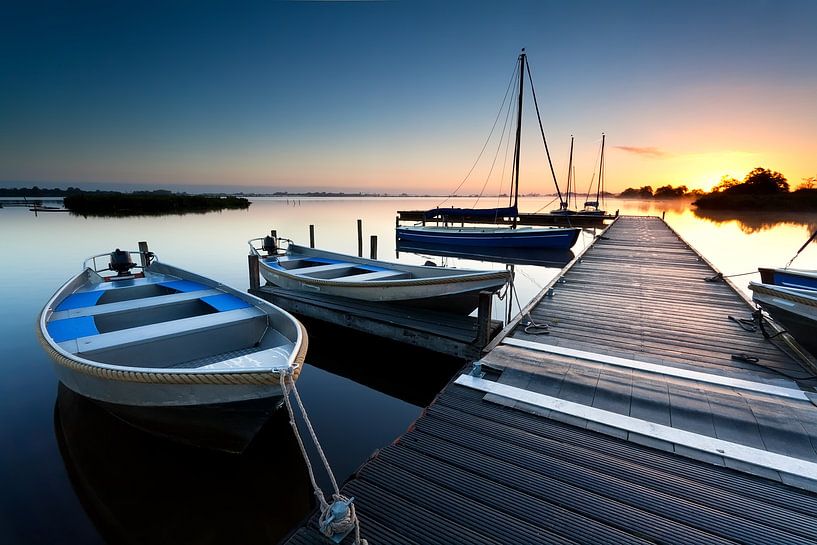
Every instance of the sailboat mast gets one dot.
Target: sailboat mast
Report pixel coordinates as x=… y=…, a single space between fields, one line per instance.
x=601 y=171
x=564 y=205
x=518 y=150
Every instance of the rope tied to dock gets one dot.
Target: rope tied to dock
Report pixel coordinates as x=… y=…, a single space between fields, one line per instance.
x=338 y=518
x=720 y=276
x=746 y=324
x=531 y=328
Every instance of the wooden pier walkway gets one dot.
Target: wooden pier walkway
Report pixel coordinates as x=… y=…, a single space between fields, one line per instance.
x=642 y=417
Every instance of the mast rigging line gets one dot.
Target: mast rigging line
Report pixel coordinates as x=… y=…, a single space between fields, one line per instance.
x=596 y=163
x=496 y=155
x=496 y=119
x=542 y=130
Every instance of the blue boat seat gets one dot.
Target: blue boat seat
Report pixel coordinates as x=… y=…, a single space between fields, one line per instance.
x=134 y=304
x=149 y=334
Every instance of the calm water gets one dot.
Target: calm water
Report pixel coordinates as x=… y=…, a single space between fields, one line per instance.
x=70 y=472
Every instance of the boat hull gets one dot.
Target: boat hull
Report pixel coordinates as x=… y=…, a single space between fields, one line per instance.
x=459 y=298
x=158 y=394
x=550 y=238
x=794 y=309
x=516 y=256
x=450 y=290
x=146 y=342
x=790 y=278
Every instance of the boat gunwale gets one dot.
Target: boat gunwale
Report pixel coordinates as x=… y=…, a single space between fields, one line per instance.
x=467 y=275
x=194 y=375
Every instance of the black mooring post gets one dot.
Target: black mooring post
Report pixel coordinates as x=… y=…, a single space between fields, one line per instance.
x=143 y=254
x=311 y=236
x=255 y=277
x=484 y=318
x=360 y=238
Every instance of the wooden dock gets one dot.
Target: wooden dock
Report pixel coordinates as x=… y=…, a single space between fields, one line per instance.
x=645 y=415
x=461 y=336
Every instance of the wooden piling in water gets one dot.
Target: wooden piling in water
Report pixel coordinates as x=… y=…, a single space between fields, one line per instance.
x=143 y=253
x=255 y=276
x=311 y=236
x=360 y=238
x=373 y=247
x=484 y=317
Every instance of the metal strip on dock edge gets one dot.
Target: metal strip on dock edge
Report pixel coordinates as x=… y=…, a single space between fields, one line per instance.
x=717 y=447
x=759 y=387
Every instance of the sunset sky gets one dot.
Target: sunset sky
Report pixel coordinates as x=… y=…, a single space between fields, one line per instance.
x=400 y=96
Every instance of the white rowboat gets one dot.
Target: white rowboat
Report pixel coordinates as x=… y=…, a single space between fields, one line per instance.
x=318 y=271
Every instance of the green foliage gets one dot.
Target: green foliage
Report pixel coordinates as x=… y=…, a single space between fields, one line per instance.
x=148 y=203
x=761 y=189
x=669 y=192
x=35 y=191
x=727 y=182
x=663 y=192
x=645 y=192
x=808 y=183
x=760 y=181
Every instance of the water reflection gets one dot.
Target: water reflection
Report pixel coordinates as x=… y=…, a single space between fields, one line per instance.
x=753 y=222
x=137 y=488
x=408 y=373
x=516 y=256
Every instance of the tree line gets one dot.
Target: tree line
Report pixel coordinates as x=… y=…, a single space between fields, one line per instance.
x=757 y=183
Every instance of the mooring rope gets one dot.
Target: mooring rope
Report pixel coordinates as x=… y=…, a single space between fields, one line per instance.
x=720 y=276
x=531 y=328
x=339 y=517
x=745 y=324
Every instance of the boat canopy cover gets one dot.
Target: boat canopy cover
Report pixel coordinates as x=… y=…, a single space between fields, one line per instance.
x=507 y=212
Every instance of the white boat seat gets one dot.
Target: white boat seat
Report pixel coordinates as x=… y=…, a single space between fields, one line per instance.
x=322 y=268
x=376 y=275
x=133 y=304
x=135 y=336
x=271 y=358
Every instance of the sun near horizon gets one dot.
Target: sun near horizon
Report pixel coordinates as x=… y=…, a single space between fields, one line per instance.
x=400 y=96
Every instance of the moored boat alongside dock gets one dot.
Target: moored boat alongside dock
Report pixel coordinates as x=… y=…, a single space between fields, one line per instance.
x=318 y=271
x=165 y=338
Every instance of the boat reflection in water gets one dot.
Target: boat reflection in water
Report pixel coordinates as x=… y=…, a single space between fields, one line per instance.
x=511 y=256
x=139 y=488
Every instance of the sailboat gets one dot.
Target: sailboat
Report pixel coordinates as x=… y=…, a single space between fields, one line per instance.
x=564 y=204
x=505 y=237
x=592 y=207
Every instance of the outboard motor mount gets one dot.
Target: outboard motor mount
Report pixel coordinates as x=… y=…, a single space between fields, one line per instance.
x=270 y=245
x=121 y=262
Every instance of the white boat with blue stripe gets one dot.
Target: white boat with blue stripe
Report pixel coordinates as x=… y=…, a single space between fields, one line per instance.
x=154 y=335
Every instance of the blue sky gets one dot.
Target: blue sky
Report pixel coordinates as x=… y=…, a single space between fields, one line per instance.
x=399 y=96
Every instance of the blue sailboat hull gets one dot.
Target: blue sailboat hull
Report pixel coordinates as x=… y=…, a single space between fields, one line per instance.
x=554 y=239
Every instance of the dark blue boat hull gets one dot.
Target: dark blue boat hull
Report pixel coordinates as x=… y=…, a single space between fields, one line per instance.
x=554 y=239
x=787 y=279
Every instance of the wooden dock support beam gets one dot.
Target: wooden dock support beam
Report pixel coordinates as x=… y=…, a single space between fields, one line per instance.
x=484 y=318
x=255 y=276
x=373 y=247
x=311 y=236
x=360 y=238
